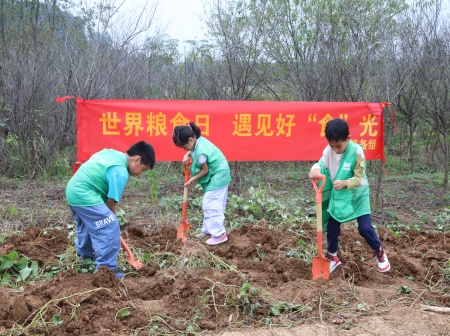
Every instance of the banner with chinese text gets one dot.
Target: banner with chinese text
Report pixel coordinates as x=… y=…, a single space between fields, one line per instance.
x=243 y=130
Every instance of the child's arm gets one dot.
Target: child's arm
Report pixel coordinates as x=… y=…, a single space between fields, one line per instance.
x=112 y=205
x=358 y=173
x=315 y=169
x=202 y=173
x=186 y=157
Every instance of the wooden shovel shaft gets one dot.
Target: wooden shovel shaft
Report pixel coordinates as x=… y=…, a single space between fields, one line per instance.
x=183 y=227
x=184 y=205
x=321 y=265
x=319 y=229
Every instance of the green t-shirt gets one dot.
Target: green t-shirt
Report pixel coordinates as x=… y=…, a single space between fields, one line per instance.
x=89 y=186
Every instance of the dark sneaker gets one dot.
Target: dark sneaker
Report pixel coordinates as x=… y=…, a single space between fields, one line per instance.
x=382 y=260
x=334 y=261
x=217 y=240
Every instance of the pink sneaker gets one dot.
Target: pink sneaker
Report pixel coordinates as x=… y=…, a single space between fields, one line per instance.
x=217 y=240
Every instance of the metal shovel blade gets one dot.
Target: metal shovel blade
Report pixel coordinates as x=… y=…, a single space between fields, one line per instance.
x=320 y=268
x=183 y=230
x=133 y=262
x=320 y=264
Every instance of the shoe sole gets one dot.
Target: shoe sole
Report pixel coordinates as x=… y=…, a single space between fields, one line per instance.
x=219 y=242
x=201 y=235
x=387 y=268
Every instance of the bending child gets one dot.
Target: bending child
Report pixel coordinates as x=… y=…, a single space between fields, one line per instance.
x=343 y=163
x=210 y=168
x=93 y=193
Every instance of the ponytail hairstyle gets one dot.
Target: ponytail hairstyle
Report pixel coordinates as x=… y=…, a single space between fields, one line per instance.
x=181 y=134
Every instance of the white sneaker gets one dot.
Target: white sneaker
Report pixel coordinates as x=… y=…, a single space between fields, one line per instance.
x=334 y=261
x=382 y=260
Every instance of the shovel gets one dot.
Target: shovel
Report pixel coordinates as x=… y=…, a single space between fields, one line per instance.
x=183 y=228
x=133 y=262
x=320 y=265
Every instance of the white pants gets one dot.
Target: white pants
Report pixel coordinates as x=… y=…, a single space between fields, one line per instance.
x=214 y=203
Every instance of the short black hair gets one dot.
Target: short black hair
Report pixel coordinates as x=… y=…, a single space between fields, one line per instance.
x=337 y=129
x=145 y=151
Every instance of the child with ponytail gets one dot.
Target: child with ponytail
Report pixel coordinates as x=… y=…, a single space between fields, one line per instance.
x=210 y=168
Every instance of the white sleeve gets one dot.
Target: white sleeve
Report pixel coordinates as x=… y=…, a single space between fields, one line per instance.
x=201 y=159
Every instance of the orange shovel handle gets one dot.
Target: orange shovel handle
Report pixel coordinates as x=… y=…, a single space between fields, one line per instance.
x=134 y=262
x=187 y=170
x=125 y=246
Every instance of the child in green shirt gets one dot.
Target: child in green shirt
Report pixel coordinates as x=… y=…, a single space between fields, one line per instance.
x=93 y=193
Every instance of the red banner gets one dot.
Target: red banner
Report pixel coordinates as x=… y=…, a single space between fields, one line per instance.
x=243 y=130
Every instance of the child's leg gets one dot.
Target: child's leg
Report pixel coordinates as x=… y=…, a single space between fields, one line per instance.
x=333 y=232
x=213 y=211
x=367 y=231
x=104 y=231
x=83 y=242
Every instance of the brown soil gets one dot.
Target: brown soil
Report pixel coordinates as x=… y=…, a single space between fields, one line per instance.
x=201 y=288
x=356 y=300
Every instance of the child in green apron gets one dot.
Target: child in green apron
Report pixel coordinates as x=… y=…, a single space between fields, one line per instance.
x=93 y=193
x=346 y=193
x=210 y=168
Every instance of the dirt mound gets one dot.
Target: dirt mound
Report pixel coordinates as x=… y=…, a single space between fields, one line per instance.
x=259 y=278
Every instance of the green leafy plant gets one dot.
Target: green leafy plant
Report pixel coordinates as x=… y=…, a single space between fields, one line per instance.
x=124 y=312
x=153 y=178
x=302 y=251
x=57 y=320
x=16 y=271
x=248 y=297
x=10 y=212
x=442 y=220
x=283 y=308
x=121 y=216
x=404 y=290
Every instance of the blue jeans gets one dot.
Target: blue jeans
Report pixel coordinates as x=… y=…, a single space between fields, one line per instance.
x=365 y=229
x=98 y=234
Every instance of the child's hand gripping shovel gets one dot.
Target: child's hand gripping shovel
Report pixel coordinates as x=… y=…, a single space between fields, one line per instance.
x=133 y=262
x=320 y=265
x=183 y=228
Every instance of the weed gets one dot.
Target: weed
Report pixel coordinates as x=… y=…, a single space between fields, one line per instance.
x=442 y=220
x=121 y=217
x=445 y=271
x=164 y=260
x=16 y=272
x=153 y=178
x=302 y=251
